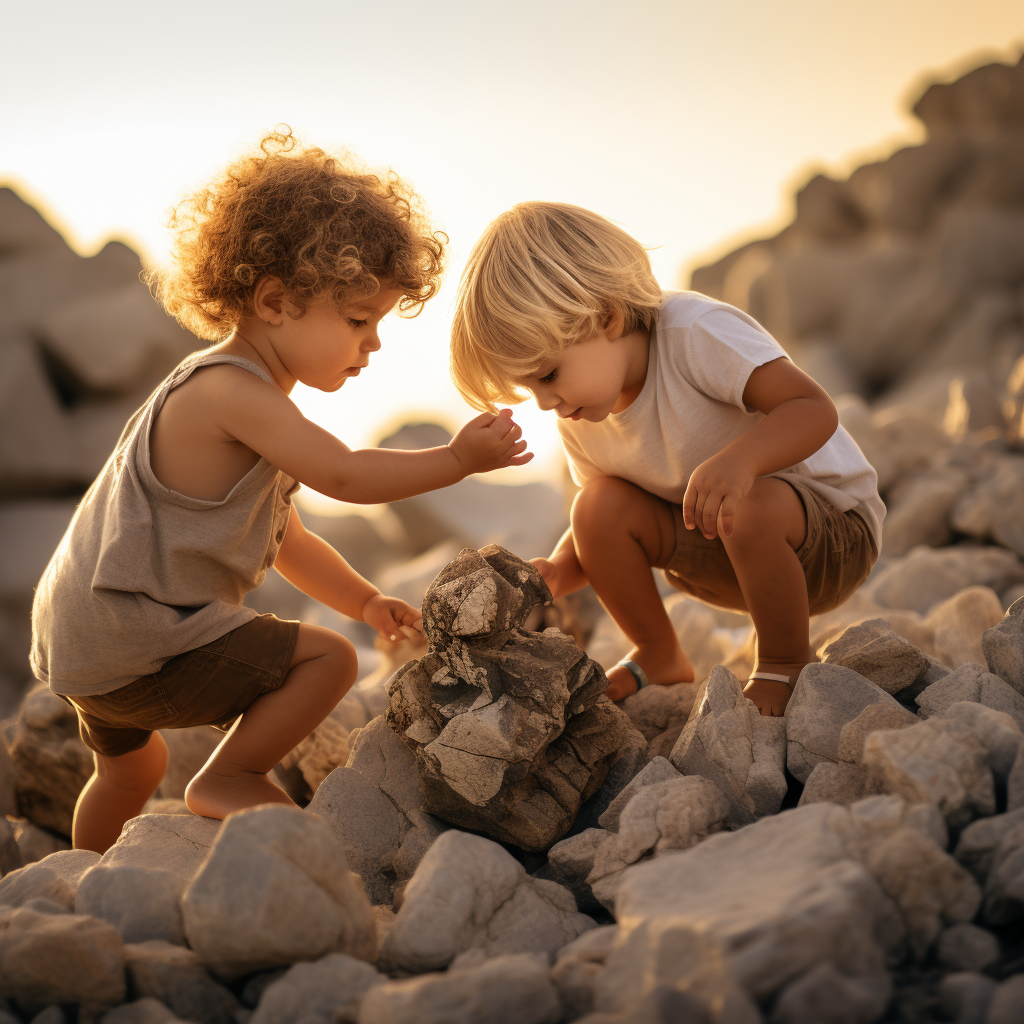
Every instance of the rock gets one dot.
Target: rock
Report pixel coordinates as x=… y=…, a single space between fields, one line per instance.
x=142 y=1011
x=964 y=996
x=51 y=764
x=506 y=990
x=824 y=903
x=826 y=996
x=998 y=733
x=629 y=761
x=671 y=815
x=727 y=741
x=1007 y=1004
x=656 y=709
x=509 y=733
x=138 y=883
x=970 y=682
x=708 y=635
x=10 y=855
x=35 y=843
x=877 y=653
x=873 y=718
x=926 y=576
x=275 y=889
x=978 y=842
x=824 y=699
x=1003 y=647
x=324 y=992
x=835 y=783
x=55 y=878
x=571 y=860
x=64 y=958
x=468 y=893
x=658 y=770
x=578 y=967
x=918 y=511
x=959 y=623
x=1004 y=884
x=373 y=807
x=176 y=977
x=927 y=762
x=994 y=506
x=966 y=947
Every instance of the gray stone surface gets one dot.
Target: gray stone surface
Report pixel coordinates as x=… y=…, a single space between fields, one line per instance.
x=513 y=989
x=55 y=878
x=142 y=1011
x=655 y=709
x=578 y=967
x=966 y=947
x=275 y=889
x=727 y=741
x=928 y=762
x=1007 y=1004
x=60 y=958
x=1004 y=883
x=827 y=996
x=657 y=770
x=824 y=699
x=468 y=893
x=508 y=728
x=176 y=977
x=834 y=783
x=571 y=860
x=871 y=719
x=327 y=991
x=1003 y=646
x=978 y=843
x=960 y=623
x=998 y=733
x=138 y=883
x=971 y=682
x=874 y=651
x=964 y=996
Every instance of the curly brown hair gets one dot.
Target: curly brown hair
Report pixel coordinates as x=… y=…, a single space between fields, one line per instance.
x=322 y=224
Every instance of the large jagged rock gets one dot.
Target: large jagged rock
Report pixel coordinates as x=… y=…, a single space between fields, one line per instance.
x=730 y=743
x=508 y=727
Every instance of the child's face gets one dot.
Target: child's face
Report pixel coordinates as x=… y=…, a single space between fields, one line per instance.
x=585 y=381
x=324 y=347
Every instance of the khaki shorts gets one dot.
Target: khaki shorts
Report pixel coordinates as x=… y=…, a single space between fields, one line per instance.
x=211 y=685
x=837 y=554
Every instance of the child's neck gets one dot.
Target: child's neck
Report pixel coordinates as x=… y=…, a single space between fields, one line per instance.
x=250 y=342
x=639 y=349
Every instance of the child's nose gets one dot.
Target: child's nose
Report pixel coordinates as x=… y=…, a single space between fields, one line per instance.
x=372 y=343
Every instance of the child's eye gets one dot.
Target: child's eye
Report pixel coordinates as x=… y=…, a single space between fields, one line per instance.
x=551 y=377
x=356 y=323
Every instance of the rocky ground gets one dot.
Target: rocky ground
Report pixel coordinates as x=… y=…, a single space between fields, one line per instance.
x=485 y=837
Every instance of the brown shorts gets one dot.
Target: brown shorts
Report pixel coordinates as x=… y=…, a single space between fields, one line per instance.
x=837 y=554
x=211 y=685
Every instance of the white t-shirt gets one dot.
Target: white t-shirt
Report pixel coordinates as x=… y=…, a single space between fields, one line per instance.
x=702 y=352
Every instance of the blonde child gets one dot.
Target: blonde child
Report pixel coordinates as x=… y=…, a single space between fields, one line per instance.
x=289 y=261
x=699 y=448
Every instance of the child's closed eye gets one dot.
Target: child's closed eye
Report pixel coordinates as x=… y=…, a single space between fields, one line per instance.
x=356 y=323
x=550 y=378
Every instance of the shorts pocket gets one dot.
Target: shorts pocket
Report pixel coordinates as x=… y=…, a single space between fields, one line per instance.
x=141 y=704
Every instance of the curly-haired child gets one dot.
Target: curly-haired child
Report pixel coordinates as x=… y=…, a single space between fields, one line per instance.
x=700 y=449
x=288 y=261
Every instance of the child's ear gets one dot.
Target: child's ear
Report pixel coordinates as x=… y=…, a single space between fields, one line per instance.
x=614 y=325
x=270 y=300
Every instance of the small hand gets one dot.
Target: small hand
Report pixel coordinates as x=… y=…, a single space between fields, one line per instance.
x=549 y=572
x=490 y=442
x=391 y=617
x=716 y=487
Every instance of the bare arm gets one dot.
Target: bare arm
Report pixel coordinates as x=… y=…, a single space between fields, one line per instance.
x=799 y=418
x=562 y=571
x=248 y=409
x=311 y=564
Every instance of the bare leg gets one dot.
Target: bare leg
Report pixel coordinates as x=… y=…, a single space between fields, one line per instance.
x=116 y=792
x=235 y=776
x=620 y=532
x=769 y=526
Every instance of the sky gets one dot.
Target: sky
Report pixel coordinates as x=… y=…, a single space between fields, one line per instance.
x=688 y=123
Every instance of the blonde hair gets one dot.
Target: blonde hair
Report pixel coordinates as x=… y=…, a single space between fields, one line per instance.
x=322 y=223
x=542 y=276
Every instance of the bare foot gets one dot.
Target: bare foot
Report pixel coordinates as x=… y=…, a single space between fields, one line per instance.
x=662 y=667
x=769 y=695
x=216 y=796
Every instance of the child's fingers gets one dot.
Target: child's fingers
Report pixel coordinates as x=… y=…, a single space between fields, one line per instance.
x=521 y=460
x=689 y=506
x=726 y=514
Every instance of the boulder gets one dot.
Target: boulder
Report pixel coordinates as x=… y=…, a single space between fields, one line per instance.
x=959 y=623
x=877 y=653
x=970 y=682
x=918 y=511
x=55 y=878
x=513 y=989
x=965 y=995
x=966 y=947
x=508 y=729
x=929 y=762
x=578 y=967
x=997 y=732
x=571 y=860
x=1003 y=646
x=657 y=770
x=275 y=889
x=824 y=699
x=469 y=894
x=994 y=507
x=138 y=883
x=59 y=958
x=176 y=977
x=727 y=741
x=871 y=719
x=326 y=991
x=1007 y=1003
x=828 y=996
x=834 y=783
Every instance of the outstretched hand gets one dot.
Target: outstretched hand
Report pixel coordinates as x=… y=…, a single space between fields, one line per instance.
x=490 y=442
x=391 y=617
x=716 y=487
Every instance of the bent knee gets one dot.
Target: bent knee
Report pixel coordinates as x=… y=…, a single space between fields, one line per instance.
x=141 y=769
x=603 y=501
x=772 y=510
x=336 y=656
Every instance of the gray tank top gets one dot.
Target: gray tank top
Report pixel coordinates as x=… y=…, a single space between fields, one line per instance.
x=144 y=573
